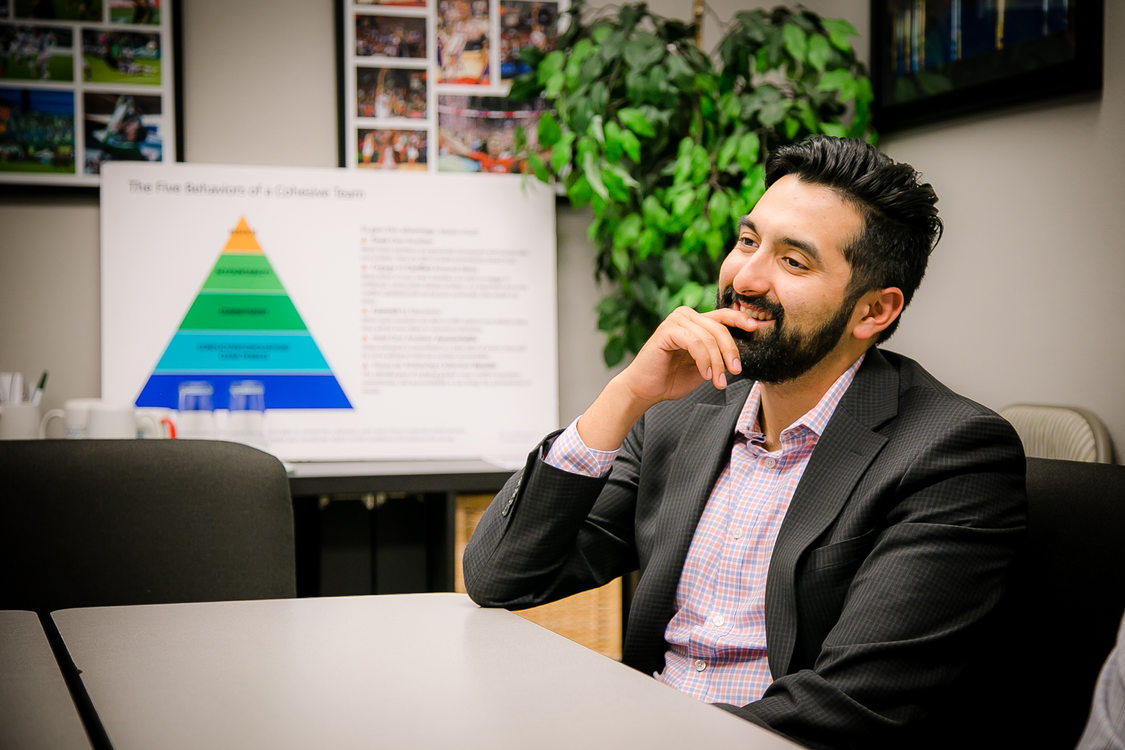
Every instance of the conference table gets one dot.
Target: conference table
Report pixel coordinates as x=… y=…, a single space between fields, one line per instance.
x=36 y=710
x=391 y=671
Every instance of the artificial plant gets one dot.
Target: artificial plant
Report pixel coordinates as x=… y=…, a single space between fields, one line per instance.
x=667 y=144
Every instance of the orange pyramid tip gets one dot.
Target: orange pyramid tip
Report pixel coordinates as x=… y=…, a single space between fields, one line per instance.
x=242 y=239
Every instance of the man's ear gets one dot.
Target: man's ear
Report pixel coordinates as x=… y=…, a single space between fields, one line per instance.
x=876 y=311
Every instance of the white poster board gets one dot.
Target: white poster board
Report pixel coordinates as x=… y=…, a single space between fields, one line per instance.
x=410 y=316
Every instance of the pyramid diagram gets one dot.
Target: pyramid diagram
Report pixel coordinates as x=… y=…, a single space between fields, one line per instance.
x=243 y=326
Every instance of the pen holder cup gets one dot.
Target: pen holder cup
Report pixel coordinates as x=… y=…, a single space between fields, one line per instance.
x=19 y=421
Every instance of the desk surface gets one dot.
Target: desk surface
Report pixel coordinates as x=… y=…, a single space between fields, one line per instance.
x=328 y=477
x=405 y=671
x=36 y=710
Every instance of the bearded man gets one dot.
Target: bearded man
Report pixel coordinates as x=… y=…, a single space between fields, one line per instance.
x=822 y=532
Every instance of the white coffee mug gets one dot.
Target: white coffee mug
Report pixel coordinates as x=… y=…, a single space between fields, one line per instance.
x=119 y=421
x=19 y=421
x=75 y=416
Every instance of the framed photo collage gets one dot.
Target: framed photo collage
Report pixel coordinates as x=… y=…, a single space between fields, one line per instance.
x=83 y=82
x=424 y=83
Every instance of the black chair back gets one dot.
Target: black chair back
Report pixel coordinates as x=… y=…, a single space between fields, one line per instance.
x=106 y=522
x=1071 y=597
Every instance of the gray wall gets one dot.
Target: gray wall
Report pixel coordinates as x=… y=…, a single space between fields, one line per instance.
x=1021 y=302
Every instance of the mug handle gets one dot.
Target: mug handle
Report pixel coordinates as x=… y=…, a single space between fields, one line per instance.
x=144 y=422
x=52 y=414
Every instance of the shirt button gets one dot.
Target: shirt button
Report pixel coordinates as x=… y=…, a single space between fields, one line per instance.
x=700 y=665
x=770 y=462
x=736 y=533
x=718 y=620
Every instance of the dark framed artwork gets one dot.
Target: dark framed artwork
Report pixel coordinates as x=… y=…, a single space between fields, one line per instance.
x=933 y=59
x=83 y=82
x=423 y=84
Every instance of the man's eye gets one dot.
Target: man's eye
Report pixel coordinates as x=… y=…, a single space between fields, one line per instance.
x=747 y=242
x=794 y=263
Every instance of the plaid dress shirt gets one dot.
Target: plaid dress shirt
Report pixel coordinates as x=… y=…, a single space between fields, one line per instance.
x=717 y=637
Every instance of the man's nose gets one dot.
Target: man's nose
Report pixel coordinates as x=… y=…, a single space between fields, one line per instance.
x=753 y=276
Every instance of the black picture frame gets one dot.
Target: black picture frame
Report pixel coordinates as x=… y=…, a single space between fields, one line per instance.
x=936 y=59
x=85 y=82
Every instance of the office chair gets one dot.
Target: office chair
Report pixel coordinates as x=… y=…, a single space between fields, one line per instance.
x=1065 y=432
x=106 y=522
x=1069 y=603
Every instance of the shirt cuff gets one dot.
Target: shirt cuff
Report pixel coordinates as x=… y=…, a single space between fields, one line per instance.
x=568 y=453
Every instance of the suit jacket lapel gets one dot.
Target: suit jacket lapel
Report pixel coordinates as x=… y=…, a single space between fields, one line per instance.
x=841 y=456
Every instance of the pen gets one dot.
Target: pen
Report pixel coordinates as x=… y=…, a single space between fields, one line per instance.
x=38 y=392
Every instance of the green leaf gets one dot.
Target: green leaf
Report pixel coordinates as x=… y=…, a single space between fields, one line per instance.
x=552 y=64
x=614 y=350
x=681 y=206
x=654 y=214
x=549 y=130
x=595 y=129
x=700 y=165
x=839 y=33
x=611 y=314
x=650 y=241
x=792 y=126
x=754 y=185
x=599 y=97
x=616 y=186
x=834 y=129
x=643 y=51
x=587 y=72
x=796 y=42
x=690 y=294
x=730 y=107
x=631 y=144
x=749 y=148
x=840 y=80
x=593 y=173
x=579 y=191
x=727 y=152
x=538 y=168
x=676 y=270
x=619 y=256
x=718 y=209
x=613 y=145
x=716 y=243
x=635 y=120
x=819 y=51
x=628 y=231
x=612 y=46
x=679 y=72
x=554 y=85
x=562 y=152
x=525 y=86
x=710 y=293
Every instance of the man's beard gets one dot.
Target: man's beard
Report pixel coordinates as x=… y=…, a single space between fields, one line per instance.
x=782 y=354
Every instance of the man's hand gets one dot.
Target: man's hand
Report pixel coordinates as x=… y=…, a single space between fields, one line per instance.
x=684 y=351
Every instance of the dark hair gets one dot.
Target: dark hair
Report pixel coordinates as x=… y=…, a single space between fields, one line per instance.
x=900 y=219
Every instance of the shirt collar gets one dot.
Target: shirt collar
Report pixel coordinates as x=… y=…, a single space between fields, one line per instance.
x=815 y=419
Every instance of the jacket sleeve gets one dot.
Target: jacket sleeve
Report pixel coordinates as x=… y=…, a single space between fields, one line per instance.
x=906 y=603
x=549 y=533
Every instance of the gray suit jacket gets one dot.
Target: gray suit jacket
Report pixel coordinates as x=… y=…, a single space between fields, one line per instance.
x=891 y=559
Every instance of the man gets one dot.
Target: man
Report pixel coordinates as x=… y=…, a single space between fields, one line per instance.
x=822 y=530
